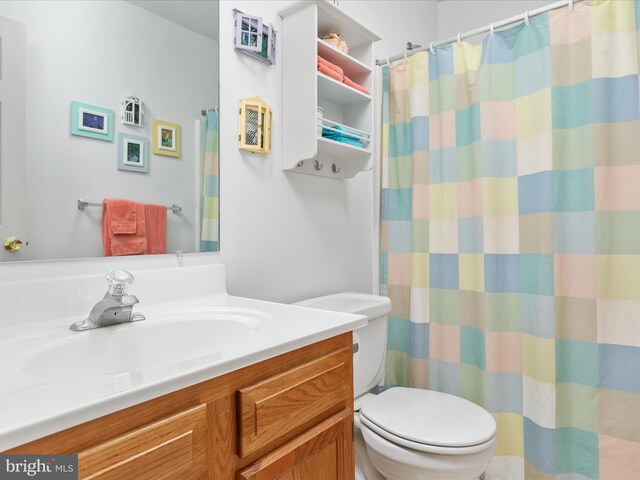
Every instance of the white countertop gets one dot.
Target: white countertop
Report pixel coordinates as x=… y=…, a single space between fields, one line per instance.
x=33 y=406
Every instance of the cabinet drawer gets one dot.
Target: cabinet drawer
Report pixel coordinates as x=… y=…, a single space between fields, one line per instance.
x=275 y=406
x=172 y=448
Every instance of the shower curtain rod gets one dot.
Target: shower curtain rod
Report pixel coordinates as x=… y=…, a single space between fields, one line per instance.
x=487 y=28
x=204 y=112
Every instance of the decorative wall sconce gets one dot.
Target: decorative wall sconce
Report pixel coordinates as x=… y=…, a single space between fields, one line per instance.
x=254 y=125
x=132 y=112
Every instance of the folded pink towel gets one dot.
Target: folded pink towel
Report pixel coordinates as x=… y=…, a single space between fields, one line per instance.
x=121 y=215
x=332 y=66
x=352 y=84
x=329 y=73
x=156 y=223
x=116 y=243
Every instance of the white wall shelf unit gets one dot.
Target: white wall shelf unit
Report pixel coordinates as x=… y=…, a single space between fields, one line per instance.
x=338 y=92
x=305 y=89
x=353 y=68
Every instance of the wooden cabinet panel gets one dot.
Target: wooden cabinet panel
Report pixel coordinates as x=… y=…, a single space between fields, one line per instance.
x=321 y=465
x=279 y=404
x=194 y=433
x=324 y=452
x=173 y=448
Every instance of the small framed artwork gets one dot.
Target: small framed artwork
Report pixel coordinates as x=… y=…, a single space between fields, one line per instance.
x=132 y=153
x=166 y=138
x=133 y=112
x=254 y=37
x=91 y=121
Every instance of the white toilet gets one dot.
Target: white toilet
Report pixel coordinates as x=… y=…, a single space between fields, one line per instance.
x=407 y=433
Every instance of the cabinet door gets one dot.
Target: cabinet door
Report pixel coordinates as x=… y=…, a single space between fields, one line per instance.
x=13 y=103
x=275 y=406
x=324 y=452
x=172 y=448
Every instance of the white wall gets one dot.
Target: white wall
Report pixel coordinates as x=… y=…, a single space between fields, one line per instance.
x=287 y=236
x=463 y=15
x=396 y=21
x=98 y=53
x=284 y=236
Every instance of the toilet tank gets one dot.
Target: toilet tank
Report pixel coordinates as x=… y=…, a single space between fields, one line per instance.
x=369 y=342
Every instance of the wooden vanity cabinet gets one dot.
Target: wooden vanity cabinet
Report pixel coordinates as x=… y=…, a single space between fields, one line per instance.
x=289 y=417
x=175 y=447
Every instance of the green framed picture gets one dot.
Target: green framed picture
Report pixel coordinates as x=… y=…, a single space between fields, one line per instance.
x=91 y=121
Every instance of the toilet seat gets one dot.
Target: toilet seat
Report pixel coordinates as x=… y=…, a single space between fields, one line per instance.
x=429 y=421
x=421 y=447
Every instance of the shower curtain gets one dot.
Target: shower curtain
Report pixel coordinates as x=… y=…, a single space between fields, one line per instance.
x=510 y=236
x=209 y=206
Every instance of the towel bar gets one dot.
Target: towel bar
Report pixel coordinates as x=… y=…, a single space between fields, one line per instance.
x=82 y=204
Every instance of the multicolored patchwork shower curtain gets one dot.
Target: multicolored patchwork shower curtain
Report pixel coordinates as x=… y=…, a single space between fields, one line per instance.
x=209 y=237
x=511 y=236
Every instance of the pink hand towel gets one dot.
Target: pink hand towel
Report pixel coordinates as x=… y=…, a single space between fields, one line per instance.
x=156 y=222
x=121 y=215
x=332 y=66
x=118 y=244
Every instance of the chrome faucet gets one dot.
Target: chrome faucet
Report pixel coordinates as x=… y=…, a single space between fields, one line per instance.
x=116 y=306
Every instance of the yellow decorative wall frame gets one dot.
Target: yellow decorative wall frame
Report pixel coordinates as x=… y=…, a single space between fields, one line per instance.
x=166 y=138
x=254 y=125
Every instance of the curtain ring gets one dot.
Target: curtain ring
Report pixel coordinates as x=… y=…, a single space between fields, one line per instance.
x=388 y=62
x=459 y=37
x=491 y=29
x=431 y=47
x=526 y=17
x=570 y=5
x=405 y=56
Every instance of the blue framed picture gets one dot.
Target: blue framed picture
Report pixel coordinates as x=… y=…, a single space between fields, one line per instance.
x=133 y=153
x=91 y=121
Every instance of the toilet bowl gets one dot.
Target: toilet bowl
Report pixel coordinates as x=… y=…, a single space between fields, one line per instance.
x=417 y=434
x=407 y=433
x=402 y=463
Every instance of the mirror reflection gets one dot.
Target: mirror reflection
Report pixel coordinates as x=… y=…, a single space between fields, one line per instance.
x=109 y=128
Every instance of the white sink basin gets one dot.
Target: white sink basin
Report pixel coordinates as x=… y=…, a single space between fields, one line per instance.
x=130 y=347
x=53 y=378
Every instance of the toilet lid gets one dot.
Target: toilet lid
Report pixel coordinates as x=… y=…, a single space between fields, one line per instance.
x=431 y=418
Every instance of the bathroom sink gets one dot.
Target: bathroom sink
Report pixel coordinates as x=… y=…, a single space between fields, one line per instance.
x=54 y=378
x=156 y=342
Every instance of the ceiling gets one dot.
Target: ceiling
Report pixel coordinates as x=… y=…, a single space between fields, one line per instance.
x=200 y=16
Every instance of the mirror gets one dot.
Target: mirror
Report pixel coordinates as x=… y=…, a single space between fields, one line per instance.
x=108 y=107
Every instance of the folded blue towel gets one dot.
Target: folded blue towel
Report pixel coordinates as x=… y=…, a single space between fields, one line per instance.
x=348 y=141
x=339 y=137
